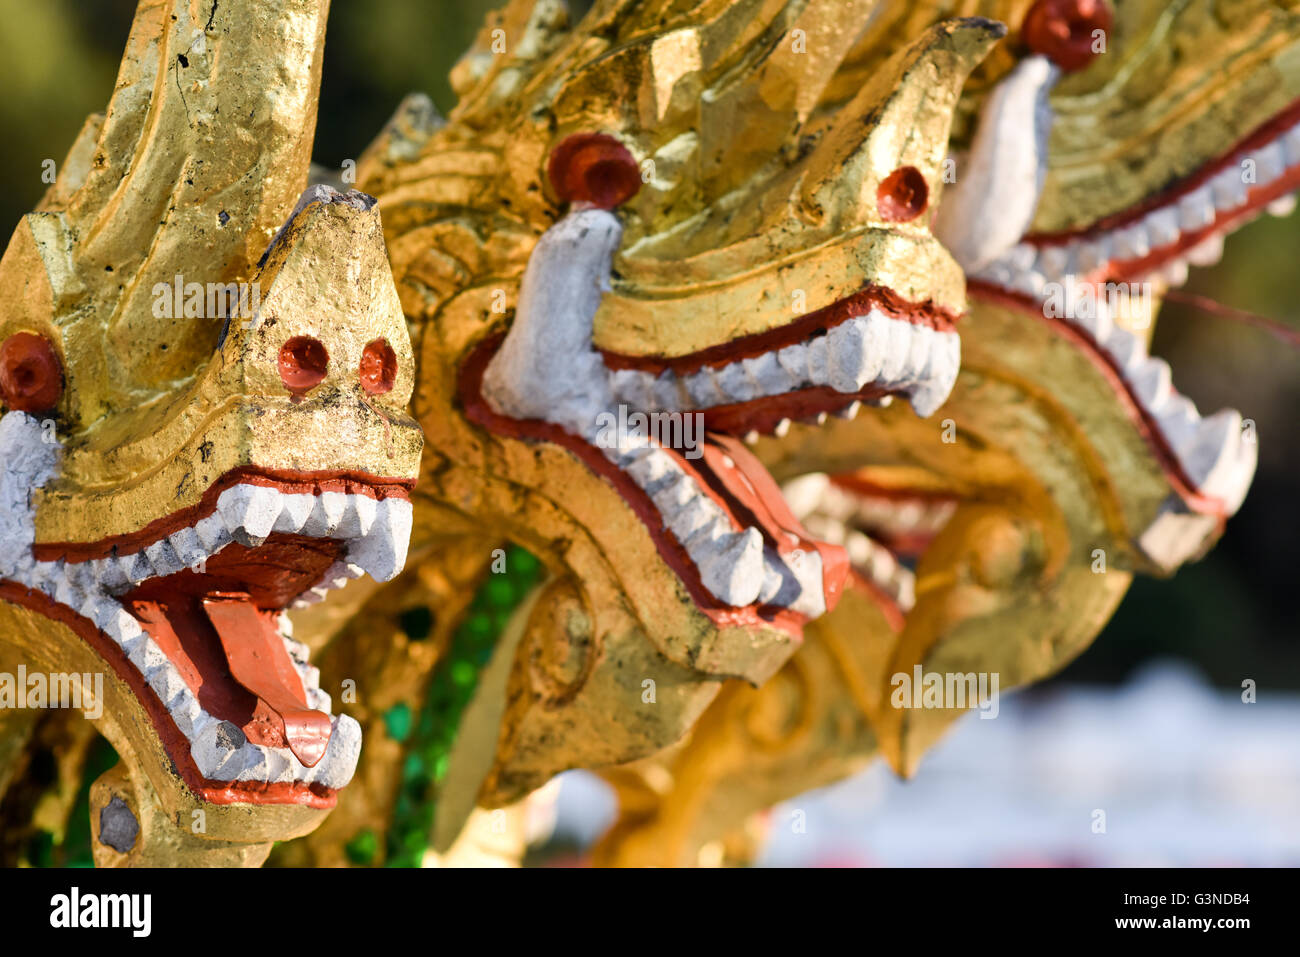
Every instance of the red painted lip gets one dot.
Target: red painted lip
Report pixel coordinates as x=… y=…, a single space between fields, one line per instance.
x=801 y=330
x=1145 y=423
x=748 y=496
x=267 y=701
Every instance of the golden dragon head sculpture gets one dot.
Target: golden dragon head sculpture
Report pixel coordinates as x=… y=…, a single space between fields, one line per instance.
x=205 y=379
x=649 y=220
x=1001 y=543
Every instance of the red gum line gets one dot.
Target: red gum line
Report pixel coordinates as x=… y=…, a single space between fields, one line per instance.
x=865 y=488
x=670 y=550
x=793 y=333
x=288 y=481
x=175 y=743
x=1262 y=136
x=1144 y=421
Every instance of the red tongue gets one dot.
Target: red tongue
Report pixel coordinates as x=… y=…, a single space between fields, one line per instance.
x=259 y=661
x=750 y=487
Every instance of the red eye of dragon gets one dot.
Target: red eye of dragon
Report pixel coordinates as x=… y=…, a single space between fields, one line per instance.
x=378 y=367
x=1063 y=30
x=594 y=168
x=31 y=375
x=902 y=195
x=303 y=361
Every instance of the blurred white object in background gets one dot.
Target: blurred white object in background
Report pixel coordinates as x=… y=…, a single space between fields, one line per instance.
x=1176 y=772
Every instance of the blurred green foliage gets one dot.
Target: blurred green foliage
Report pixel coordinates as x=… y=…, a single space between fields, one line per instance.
x=1234 y=614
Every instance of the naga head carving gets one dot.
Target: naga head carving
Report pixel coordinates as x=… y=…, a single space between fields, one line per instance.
x=205 y=378
x=654 y=213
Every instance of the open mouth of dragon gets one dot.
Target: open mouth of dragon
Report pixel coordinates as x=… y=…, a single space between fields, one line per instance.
x=1207 y=458
x=717 y=517
x=189 y=612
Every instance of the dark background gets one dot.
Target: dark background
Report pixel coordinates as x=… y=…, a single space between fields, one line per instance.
x=1233 y=615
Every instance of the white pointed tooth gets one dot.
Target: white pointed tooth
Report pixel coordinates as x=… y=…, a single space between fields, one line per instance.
x=649 y=469
x=1229 y=189
x=918 y=359
x=1174 y=272
x=163 y=557
x=358 y=517
x=185 y=711
x=794 y=360
x=1020 y=257
x=633 y=387
x=668 y=392
x=220 y=750
x=1270 y=163
x=382 y=553
x=275 y=767
x=308 y=598
x=859 y=548
x=703 y=390
x=249 y=511
x=297 y=651
x=940 y=376
x=782 y=429
x=1283 y=206
x=1125 y=348
x=998 y=273
x=1055 y=261
x=1162 y=227
x=751 y=437
x=1291 y=146
x=318 y=701
x=1030 y=283
x=1178 y=420
x=123 y=629
x=335 y=769
x=1207 y=252
x=137 y=567
x=690 y=518
x=821 y=418
x=674 y=491
x=146 y=656
x=1234 y=483
x=706 y=537
x=66 y=593
x=896 y=350
x=1152 y=383
x=772 y=582
x=1094 y=254
x=819 y=361
x=1131 y=242
x=735 y=384
x=848 y=413
x=294 y=511
x=1212 y=452
x=768 y=375
x=1196 y=209
x=189 y=550
x=326 y=514
x=1097 y=322
x=803 y=494
x=166 y=681
x=213 y=533
x=732 y=571
x=98 y=609
x=847 y=365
